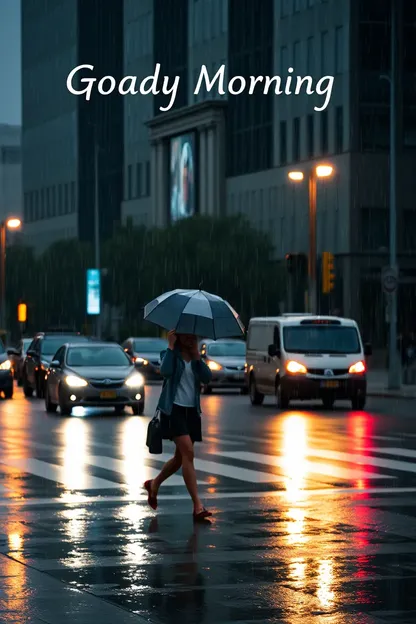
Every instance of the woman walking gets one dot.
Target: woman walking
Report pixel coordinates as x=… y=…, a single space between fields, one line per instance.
x=183 y=371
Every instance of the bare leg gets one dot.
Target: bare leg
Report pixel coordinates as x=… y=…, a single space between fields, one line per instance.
x=167 y=471
x=186 y=449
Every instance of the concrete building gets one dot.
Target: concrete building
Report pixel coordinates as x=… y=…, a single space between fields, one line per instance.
x=10 y=172
x=247 y=144
x=60 y=130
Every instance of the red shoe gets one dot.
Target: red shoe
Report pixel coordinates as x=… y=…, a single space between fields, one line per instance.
x=152 y=500
x=202 y=515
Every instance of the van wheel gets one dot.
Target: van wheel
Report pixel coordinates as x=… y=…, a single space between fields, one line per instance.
x=282 y=399
x=256 y=398
x=358 y=402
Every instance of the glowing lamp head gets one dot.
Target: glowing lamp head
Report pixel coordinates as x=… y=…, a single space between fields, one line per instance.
x=324 y=171
x=13 y=223
x=358 y=368
x=296 y=368
x=296 y=176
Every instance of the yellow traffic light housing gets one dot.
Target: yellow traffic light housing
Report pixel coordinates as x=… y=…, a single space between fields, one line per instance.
x=328 y=272
x=22 y=313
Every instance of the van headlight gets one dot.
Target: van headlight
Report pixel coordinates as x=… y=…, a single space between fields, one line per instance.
x=357 y=368
x=75 y=382
x=296 y=368
x=6 y=365
x=135 y=381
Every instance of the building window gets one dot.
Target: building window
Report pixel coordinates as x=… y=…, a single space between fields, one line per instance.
x=375 y=129
x=147 y=180
x=129 y=182
x=339 y=129
x=324 y=132
x=73 y=197
x=10 y=155
x=53 y=201
x=139 y=185
x=224 y=15
x=296 y=139
x=66 y=198
x=310 y=136
x=310 y=65
x=325 y=53
x=286 y=7
x=284 y=62
x=296 y=57
x=298 y=6
x=35 y=206
x=60 y=206
x=283 y=143
x=311 y=3
x=339 y=50
x=374 y=228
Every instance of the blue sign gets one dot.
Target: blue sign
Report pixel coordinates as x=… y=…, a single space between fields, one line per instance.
x=93 y=291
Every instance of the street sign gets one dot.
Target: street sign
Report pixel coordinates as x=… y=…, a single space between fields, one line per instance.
x=93 y=291
x=389 y=279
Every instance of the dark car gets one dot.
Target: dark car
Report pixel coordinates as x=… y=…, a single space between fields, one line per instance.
x=145 y=353
x=227 y=360
x=6 y=371
x=97 y=374
x=18 y=358
x=38 y=357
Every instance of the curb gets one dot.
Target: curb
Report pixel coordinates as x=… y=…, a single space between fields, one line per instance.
x=385 y=394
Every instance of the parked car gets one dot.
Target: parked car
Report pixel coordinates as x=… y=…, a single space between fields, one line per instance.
x=306 y=357
x=145 y=353
x=18 y=357
x=6 y=371
x=96 y=374
x=38 y=357
x=226 y=358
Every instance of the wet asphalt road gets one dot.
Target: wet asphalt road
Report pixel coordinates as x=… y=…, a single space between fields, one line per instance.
x=314 y=517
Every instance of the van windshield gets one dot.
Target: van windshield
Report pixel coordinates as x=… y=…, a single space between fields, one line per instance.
x=321 y=339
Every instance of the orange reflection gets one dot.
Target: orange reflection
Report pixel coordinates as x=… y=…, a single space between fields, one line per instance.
x=135 y=471
x=16 y=424
x=360 y=430
x=324 y=592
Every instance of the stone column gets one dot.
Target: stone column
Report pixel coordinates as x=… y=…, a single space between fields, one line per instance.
x=210 y=172
x=202 y=173
x=154 y=183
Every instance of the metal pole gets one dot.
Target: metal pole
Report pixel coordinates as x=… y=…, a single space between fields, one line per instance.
x=312 y=242
x=97 y=227
x=3 y=274
x=394 y=373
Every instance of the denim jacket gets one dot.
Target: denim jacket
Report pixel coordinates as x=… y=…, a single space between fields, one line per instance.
x=171 y=370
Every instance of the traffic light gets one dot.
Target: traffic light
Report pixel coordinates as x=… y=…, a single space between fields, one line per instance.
x=296 y=263
x=328 y=272
x=22 y=313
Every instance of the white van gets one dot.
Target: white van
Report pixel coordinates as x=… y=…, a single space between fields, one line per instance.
x=306 y=357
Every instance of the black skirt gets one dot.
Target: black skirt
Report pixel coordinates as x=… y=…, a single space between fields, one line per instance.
x=182 y=421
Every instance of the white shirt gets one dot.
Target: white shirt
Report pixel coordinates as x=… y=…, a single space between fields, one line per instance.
x=185 y=393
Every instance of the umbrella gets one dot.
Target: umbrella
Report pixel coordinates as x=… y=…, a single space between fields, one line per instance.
x=194 y=312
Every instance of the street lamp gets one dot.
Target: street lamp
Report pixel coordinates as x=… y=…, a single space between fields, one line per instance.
x=12 y=223
x=324 y=170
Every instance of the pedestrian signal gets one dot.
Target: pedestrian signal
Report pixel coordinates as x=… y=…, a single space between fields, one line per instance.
x=328 y=272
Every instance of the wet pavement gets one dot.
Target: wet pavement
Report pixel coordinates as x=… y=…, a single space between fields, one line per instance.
x=314 y=517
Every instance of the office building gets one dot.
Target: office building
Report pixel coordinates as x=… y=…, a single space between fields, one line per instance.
x=10 y=172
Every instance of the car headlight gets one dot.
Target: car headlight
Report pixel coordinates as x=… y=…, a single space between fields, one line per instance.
x=6 y=365
x=214 y=366
x=75 y=382
x=357 y=368
x=296 y=368
x=140 y=360
x=135 y=381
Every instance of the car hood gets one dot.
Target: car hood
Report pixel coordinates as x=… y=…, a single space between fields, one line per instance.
x=229 y=361
x=101 y=372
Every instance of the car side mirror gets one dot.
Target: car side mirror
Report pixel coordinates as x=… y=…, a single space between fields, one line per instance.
x=31 y=353
x=55 y=364
x=12 y=351
x=273 y=351
x=368 y=349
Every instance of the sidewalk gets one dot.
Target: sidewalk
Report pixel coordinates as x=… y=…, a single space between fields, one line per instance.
x=377 y=385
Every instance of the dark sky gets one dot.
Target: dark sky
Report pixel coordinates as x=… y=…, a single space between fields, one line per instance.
x=10 y=72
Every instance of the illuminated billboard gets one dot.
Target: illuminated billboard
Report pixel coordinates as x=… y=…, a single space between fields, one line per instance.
x=93 y=291
x=182 y=177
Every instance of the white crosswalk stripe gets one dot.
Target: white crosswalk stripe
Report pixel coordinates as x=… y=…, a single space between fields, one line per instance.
x=364 y=460
x=306 y=467
x=398 y=452
x=137 y=473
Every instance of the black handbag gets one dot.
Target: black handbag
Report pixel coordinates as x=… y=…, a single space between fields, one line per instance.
x=154 y=440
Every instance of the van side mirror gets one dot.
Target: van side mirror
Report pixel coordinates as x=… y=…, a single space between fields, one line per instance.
x=12 y=351
x=273 y=351
x=55 y=364
x=368 y=349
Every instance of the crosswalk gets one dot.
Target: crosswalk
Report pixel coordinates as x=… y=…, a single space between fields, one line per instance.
x=217 y=465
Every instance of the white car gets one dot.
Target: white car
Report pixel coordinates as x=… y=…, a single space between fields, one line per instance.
x=306 y=357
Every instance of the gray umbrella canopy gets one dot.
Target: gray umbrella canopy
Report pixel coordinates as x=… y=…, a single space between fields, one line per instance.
x=194 y=312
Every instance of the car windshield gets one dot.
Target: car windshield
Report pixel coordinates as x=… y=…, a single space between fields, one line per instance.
x=26 y=344
x=150 y=346
x=321 y=339
x=51 y=345
x=227 y=349
x=97 y=356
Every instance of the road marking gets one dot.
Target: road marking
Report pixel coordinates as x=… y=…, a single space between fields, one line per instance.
x=391 y=464
x=303 y=468
x=137 y=473
x=225 y=470
x=72 y=477
x=399 y=452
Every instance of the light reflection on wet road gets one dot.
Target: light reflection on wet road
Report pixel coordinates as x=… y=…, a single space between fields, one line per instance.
x=314 y=517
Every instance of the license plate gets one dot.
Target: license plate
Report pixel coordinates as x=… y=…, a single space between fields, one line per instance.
x=108 y=394
x=329 y=384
